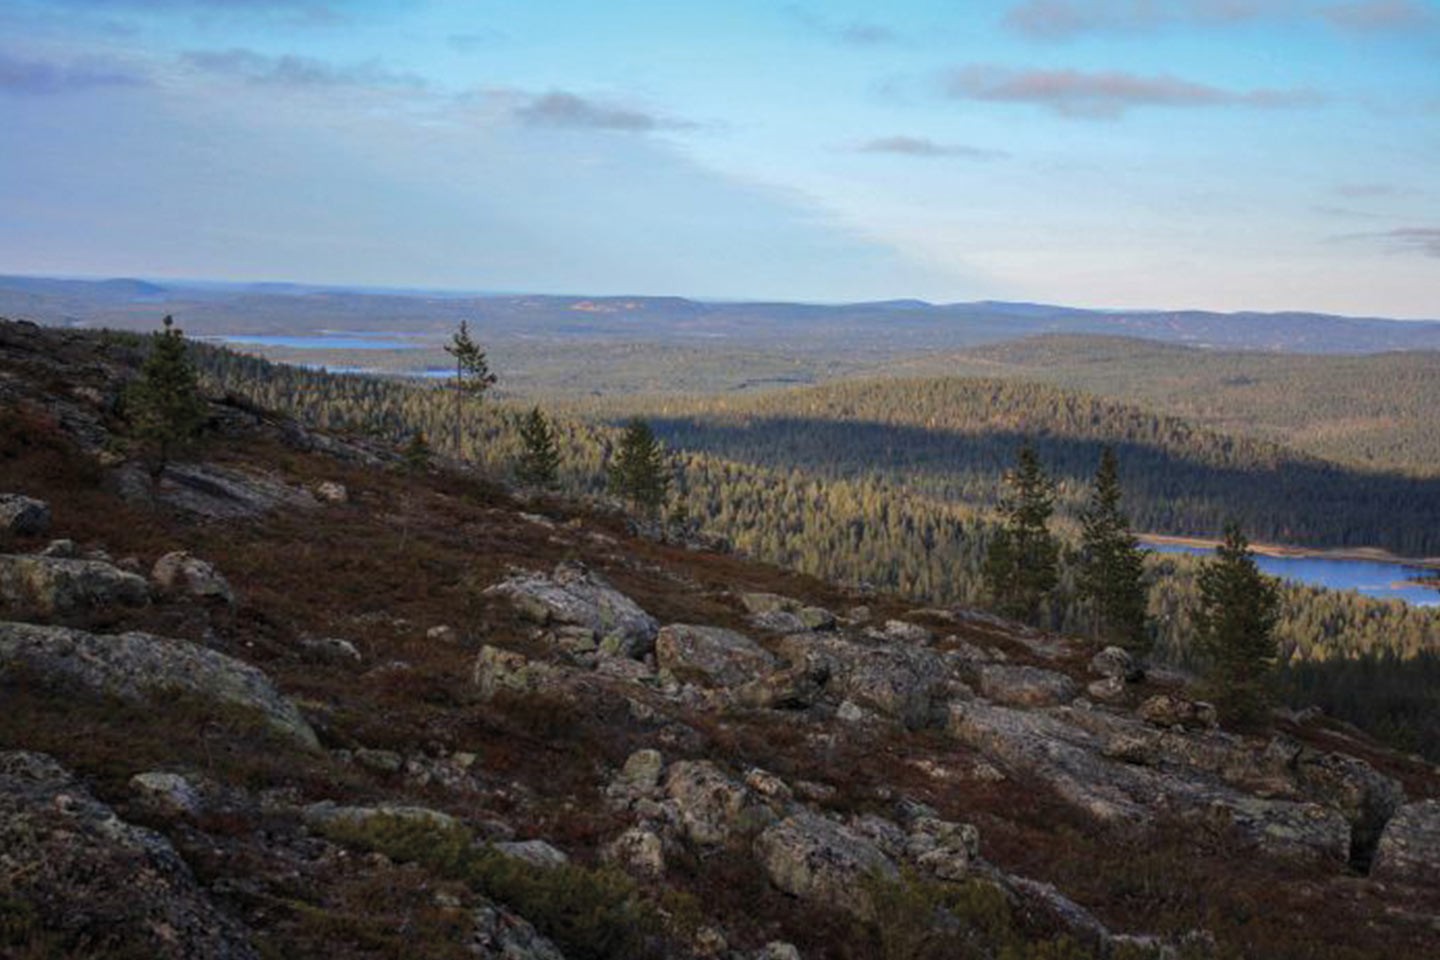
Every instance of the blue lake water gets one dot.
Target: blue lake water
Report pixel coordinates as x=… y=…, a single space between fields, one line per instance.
x=1373 y=578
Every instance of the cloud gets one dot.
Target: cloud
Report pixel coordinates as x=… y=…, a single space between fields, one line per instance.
x=1424 y=240
x=1064 y=19
x=296 y=71
x=925 y=147
x=559 y=108
x=1108 y=94
x=859 y=33
x=47 y=78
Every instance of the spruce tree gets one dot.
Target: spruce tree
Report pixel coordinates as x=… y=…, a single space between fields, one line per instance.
x=1235 y=623
x=472 y=376
x=1111 y=576
x=540 y=460
x=1022 y=566
x=640 y=472
x=164 y=406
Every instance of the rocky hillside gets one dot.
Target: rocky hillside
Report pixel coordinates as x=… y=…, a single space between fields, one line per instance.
x=297 y=699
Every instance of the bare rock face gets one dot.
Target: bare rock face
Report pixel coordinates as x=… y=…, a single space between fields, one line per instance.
x=45 y=586
x=212 y=491
x=1409 y=849
x=712 y=656
x=23 y=516
x=1023 y=686
x=142 y=668
x=96 y=882
x=816 y=859
x=576 y=596
x=179 y=573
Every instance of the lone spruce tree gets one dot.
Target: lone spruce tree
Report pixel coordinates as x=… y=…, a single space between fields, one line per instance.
x=1111 y=577
x=640 y=473
x=1022 y=565
x=540 y=460
x=165 y=408
x=1235 y=623
x=472 y=376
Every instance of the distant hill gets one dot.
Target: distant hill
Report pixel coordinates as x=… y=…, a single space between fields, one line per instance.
x=886 y=329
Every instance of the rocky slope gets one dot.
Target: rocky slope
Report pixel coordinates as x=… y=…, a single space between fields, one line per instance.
x=294 y=699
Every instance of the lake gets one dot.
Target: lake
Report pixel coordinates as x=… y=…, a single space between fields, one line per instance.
x=1373 y=578
x=329 y=340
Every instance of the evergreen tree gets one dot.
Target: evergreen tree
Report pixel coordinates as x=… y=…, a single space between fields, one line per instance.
x=1111 y=576
x=540 y=459
x=472 y=375
x=1235 y=623
x=417 y=452
x=164 y=406
x=1022 y=566
x=640 y=472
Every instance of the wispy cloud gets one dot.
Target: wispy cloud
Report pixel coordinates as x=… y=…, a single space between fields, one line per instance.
x=1108 y=94
x=1422 y=240
x=860 y=33
x=925 y=147
x=1063 y=19
x=296 y=71
x=560 y=108
x=47 y=78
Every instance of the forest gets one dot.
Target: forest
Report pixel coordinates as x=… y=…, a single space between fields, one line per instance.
x=892 y=485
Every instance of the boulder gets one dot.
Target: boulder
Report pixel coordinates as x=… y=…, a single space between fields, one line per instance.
x=711 y=805
x=327 y=817
x=712 y=656
x=97 y=885
x=640 y=776
x=142 y=668
x=537 y=853
x=943 y=849
x=903 y=682
x=180 y=573
x=1165 y=710
x=499 y=933
x=777 y=950
x=23 y=516
x=60 y=586
x=577 y=596
x=1117 y=663
x=168 y=794
x=1409 y=849
x=818 y=860
x=328 y=491
x=903 y=631
x=329 y=650
x=637 y=851
x=1108 y=690
x=791 y=688
x=1022 y=686
x=498 y=670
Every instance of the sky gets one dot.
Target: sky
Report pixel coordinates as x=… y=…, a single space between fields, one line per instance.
x=1209 y=154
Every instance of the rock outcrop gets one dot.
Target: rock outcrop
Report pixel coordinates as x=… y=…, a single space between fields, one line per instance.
x=142 y=668
x=1409 y=848
x=96 y=883
x=905 y=683
x=50 y=586
x=712 y=656
x=179 y=573
x=816 y=859
x=579 y=597
x=23 y=516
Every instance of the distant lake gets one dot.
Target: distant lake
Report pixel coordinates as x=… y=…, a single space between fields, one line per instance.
x=337 y=340
x=1373 y=578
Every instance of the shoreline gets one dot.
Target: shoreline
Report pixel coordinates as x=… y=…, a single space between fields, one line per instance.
x=1374 y=554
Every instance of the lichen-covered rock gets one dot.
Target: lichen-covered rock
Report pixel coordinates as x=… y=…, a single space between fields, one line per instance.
x=23 y=516
x=498 y=670
x=537 y=853
x=1118 y=663
x=1409 y=849
x=1108 y=690
x=906 y=683
x=179 y=573
x=329 y=650
x=60 y=586
x=1022 y=686
x=139 y=667
x=169 y=794
x=329 y=491
x=818 y=860
x=943 y=849
x=1165 y=710
x=501 y=934
x=711 y=805
x=577 y=596
x=637 y=851
x=790 y=688
x=327 y=816
x=640 y=776
x=712 y=656
x=97 y=885
x=777 y=950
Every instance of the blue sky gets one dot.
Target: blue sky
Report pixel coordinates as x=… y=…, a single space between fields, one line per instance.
x=1224 y=154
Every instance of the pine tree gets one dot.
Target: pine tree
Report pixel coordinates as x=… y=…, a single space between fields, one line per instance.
x=540 y=460
x=164 y=406
x=1111 y=577
x=1022 y=565
x=417 y=452
x=640 y=472
x=472 y=375
x=1235 y=622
